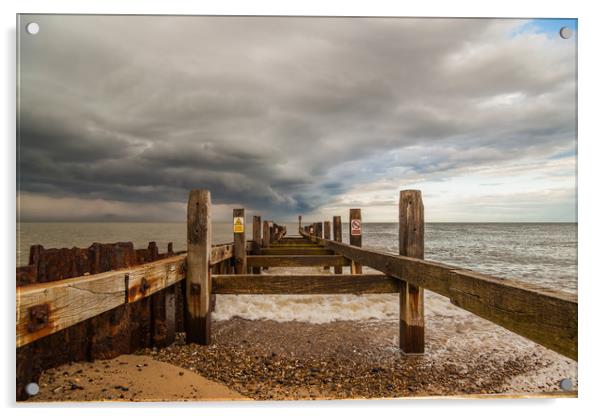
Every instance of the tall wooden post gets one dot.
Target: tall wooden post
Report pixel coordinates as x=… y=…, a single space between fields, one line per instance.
x=411 y=298
x=271 y=232
x=256 y=240
x=240 y=241
x=326 y=236
x=355 y=235
x=198 y=271
x=337 y=235
x=266 y=234
x=319 y=229
x=300 y=222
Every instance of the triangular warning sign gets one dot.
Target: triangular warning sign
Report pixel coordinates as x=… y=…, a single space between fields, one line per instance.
x=237 y=221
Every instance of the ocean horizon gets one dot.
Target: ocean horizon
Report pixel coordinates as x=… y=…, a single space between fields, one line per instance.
x=539 y=253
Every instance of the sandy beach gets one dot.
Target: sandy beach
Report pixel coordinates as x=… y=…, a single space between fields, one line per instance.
x=321 y=347
x=128 y=378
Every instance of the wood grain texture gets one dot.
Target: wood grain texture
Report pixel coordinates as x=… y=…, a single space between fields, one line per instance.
x=268 y=284
x=355 y=240
x=318 y=229
x=46 y=308
x=296 y=261
x=327 y=230
x=337 y=235
x=240 y=244
x=327 y=237
x=266 y=234
x=545 y=316
x=411 y=297
x=221 y=252
x=198 y=275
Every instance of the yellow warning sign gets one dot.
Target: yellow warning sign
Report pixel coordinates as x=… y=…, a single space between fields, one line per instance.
x=239 y=225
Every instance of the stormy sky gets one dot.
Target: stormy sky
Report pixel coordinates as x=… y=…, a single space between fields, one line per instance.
x=121 y=116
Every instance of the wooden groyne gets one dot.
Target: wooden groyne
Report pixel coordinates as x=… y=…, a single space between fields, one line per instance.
x=111 y=299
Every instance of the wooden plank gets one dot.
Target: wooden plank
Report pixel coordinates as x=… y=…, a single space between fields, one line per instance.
x=411 y=297
x=296 y=261
x=355 y=236
x=198 y=275
x=273 y=251
x=221 y=252
x=240 y=242
x=46 y=308
x=312 y=284
x=545 y=316
x=152 y=277
x=298 y=245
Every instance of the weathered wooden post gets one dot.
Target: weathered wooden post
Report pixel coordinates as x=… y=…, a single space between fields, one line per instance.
x=319 y=229
x=326 y=236
x=271 y=232
x=256 y=240
x=198 y=271
x=299 y=222
x=266 y=234
x=355 y=235
x=240 y=241
x=411 y=298
x=337 y=235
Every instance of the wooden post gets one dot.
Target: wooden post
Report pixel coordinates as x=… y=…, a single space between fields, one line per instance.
x=299 y=222
x=198 y=272
x=319 y=229
x=327 y=237
x=337 y=235
x=240 y=241
x=266 y=234
x=256 y=240
x=355 y=235
x=411 y=297
x=327 y=230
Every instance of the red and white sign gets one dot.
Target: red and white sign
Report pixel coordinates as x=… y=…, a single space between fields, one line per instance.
x=356 y=227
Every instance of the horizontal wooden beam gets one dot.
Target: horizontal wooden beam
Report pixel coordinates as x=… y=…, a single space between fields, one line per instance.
x=308 y=245
x=313 y=284
x=296 y=261
x=46 y=308
x=221 y=252
x=294 y=251
x=545 y=316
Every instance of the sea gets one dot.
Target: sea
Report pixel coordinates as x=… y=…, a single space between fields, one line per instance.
x=539 y=253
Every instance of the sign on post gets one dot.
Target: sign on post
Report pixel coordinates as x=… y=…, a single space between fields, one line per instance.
x=238 y=225
x=356 y=227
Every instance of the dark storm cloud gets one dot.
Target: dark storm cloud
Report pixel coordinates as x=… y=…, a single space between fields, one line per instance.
x=281 y=114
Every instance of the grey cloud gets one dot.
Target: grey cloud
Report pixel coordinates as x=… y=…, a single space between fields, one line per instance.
x=280 y=114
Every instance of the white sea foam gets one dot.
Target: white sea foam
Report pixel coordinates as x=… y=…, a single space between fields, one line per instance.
x=324 y=308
